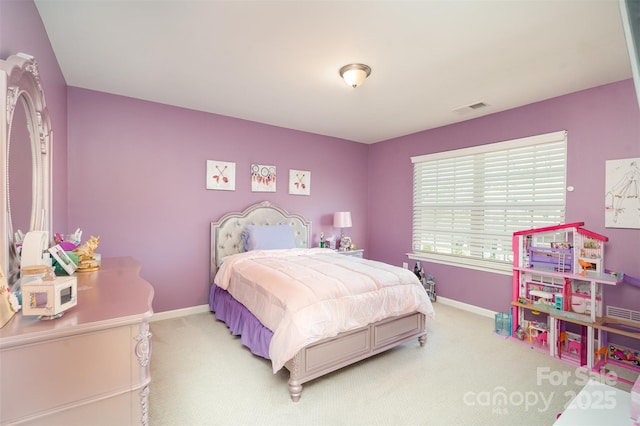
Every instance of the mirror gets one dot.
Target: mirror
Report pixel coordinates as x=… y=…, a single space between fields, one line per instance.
x=19 y=176
x=25 y=128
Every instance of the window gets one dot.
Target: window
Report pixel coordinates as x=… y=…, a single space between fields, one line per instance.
x=467 y=203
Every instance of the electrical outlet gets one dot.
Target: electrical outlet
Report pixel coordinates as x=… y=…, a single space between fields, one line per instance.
x=405 y=265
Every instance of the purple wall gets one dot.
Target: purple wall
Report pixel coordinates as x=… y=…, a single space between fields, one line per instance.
x=136 y=175
x=603 y=123
x=137 y=180
x=21 y=30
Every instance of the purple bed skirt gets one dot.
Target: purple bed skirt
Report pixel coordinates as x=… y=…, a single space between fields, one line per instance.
x=240 y=321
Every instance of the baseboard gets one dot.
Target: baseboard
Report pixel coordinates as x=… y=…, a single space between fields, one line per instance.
x=177 y=313
x=466 y=307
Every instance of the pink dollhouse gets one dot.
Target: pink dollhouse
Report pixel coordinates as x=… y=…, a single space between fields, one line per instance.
x=558 y=281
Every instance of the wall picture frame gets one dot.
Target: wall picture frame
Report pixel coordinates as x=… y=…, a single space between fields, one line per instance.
x=263 y=178
x=299 y=182
x=622 y=200
x=221 y=175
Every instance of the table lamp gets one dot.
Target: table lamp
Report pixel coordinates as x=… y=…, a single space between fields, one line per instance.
x=343 y=220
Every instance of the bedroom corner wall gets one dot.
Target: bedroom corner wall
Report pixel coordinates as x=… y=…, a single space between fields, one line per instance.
x=603 y=123
x=137 y=179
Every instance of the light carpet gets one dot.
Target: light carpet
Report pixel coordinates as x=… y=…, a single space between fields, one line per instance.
x=465 y=375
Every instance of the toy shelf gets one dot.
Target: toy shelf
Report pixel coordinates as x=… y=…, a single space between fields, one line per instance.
x=538 y=307
x=616 y=354
x=542 y=294
x=602 y=323
x=597 y=277
x=609 y=325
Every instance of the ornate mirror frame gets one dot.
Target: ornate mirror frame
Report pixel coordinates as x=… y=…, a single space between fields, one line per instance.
x=20 y=83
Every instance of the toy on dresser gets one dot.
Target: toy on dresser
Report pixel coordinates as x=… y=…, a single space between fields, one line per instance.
x=86 y=255
x=48 y=297
x=9 y=304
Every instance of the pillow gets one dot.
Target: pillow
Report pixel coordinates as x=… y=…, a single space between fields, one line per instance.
x=267 y=237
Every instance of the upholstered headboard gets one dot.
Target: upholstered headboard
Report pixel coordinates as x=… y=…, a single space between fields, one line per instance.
x=226 y=232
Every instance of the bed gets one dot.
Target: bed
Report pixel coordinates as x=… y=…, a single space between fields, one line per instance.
x=313 y=311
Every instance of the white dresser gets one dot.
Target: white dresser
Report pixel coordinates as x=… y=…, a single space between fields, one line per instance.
x=89 y=367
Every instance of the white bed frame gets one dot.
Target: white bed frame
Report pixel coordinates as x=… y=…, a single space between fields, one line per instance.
x=327 y=355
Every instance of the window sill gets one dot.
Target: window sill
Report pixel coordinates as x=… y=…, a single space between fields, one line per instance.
x=478 y=265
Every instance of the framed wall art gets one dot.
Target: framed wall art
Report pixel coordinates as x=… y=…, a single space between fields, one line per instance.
x=299 y=182
x=221 y=175
x=263 y=178
x=622 y=197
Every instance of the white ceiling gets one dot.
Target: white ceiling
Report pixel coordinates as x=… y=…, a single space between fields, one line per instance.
x=276 y=62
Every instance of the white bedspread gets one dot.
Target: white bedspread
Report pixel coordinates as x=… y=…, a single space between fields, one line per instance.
x=306 y=295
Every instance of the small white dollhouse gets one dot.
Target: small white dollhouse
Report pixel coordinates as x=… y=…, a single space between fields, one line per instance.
x=558 y=279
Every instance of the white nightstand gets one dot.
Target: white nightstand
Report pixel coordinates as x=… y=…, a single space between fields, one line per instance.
x=355 y=253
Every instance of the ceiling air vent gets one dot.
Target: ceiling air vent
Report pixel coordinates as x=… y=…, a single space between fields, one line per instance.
x=469 y=108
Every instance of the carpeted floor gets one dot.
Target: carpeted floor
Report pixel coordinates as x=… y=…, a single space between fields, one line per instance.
x=465 y=375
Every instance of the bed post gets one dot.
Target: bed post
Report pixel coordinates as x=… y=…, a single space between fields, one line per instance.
x=295 y=387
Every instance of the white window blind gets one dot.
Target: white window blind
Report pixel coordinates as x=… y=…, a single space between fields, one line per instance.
x=467 y=203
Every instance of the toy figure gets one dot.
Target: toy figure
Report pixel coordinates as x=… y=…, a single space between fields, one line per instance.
x=86 y=259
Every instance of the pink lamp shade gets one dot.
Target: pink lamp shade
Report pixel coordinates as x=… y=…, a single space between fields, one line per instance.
x=342 y=220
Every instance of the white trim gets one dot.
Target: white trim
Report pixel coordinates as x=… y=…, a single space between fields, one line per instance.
x=468 y=202
x=496 y=146
x=466 y=307
x=626 y=15
x=177 y=313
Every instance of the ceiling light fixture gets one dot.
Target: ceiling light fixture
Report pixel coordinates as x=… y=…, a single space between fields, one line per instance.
x=355 y=74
